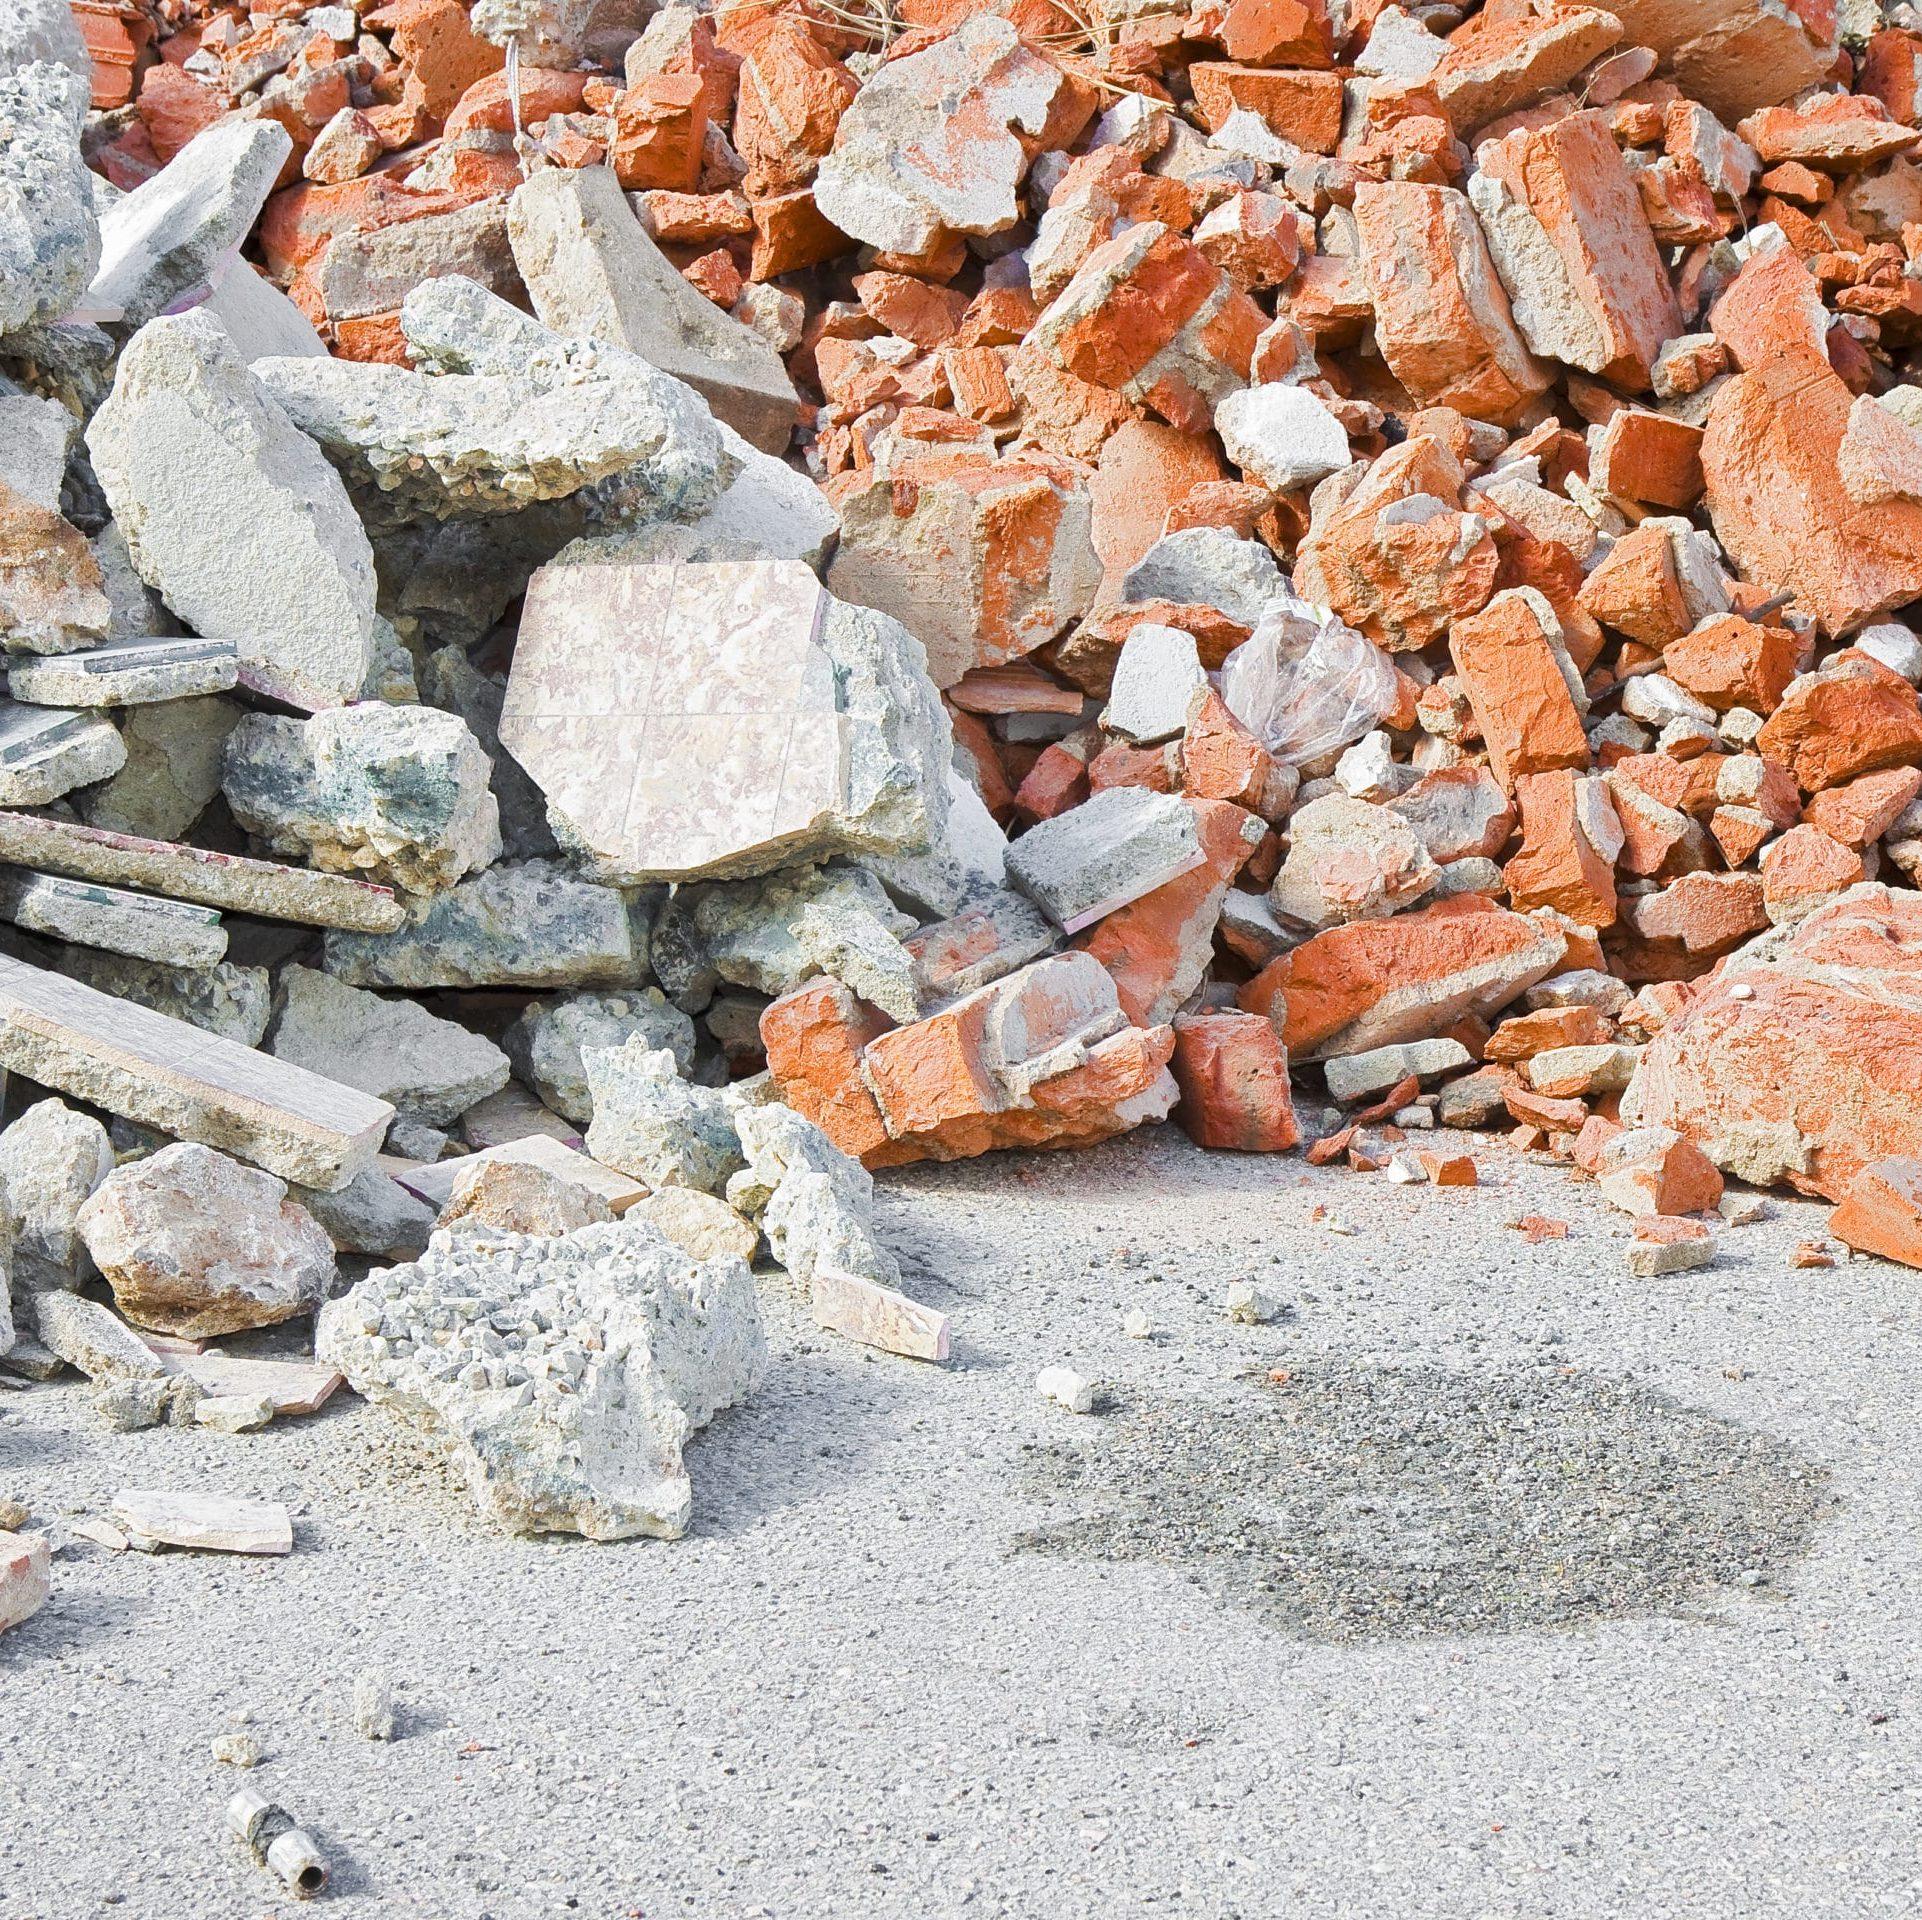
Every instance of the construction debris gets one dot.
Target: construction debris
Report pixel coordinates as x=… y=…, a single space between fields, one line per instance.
x=25 y=1582
x=648 y=618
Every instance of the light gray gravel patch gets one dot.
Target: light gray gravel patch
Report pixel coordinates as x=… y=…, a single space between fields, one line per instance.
x=844 y=1695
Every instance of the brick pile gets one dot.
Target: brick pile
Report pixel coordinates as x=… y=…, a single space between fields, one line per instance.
x=1409 y=511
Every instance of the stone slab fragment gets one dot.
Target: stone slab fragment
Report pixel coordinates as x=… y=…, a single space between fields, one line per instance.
x=719 y=720
x=211 y=1522
x=135 y=924
x=435 y=1182
x=48 y=751
x=129 y=673
x=878 y=1316
x=184 y=1081
x=224 y=880
x=290 y=1386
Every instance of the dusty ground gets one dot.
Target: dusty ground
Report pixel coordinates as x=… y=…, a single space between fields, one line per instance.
x=1534 y=1589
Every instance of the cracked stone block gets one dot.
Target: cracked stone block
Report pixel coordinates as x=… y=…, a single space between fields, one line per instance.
x=428 y=1069
x=719 y=721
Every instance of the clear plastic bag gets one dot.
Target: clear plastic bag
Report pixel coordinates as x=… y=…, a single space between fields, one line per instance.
x=1305 y=683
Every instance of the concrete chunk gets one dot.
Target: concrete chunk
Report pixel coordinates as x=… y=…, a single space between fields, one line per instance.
x=1095 y=858
x=568 y=416
x=1356 y=1074
x=171 y=236
x=283 y=569
x=593 y=272
x=92 y=1340
x=48 y=236
x=1155 y=683
x=528 y=925
x=399 y=794
x=51 y=1159
x=426 y=1068
x=567 y=1395
x=195 y=1244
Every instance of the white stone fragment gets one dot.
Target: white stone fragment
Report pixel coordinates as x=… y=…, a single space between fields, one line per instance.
x=1250 y=1305
x=1065 y=1389
x=1281 y=436
x=283 y=569
x=1156 y=680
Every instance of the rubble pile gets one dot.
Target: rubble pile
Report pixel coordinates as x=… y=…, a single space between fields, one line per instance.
x=619 y=613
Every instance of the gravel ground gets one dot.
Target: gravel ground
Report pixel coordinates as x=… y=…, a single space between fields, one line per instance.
x=1488 y=1581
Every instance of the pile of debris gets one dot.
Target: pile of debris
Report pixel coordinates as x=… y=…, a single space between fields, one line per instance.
x=618 y=612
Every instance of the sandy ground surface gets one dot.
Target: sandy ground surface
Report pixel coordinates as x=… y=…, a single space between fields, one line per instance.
x=1532 y=1589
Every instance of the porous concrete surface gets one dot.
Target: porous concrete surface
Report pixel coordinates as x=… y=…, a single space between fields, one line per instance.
x=853 y=1691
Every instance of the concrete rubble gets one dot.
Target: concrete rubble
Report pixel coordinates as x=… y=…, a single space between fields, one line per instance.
x=619 y=621
x=565 y=1370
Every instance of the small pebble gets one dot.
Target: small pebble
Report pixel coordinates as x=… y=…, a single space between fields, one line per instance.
x=1250 y=1305
x=373 y=1705
x=1136 y=1324
x=1065 y=1388
x=236 y=1749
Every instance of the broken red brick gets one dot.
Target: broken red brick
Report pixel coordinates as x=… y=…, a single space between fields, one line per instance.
x=1233 y=1073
